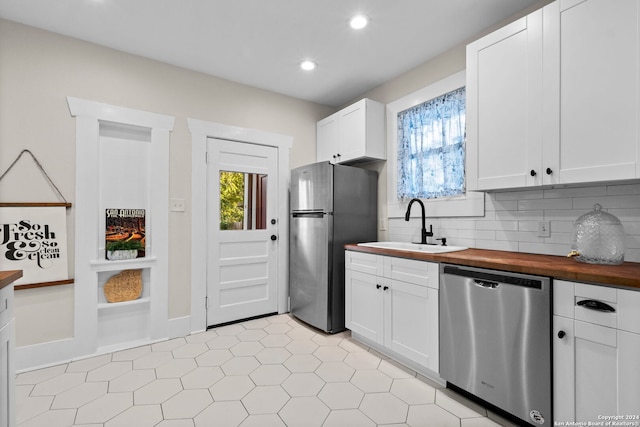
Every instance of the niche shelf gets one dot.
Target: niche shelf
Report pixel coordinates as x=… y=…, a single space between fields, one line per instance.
x=122 y=162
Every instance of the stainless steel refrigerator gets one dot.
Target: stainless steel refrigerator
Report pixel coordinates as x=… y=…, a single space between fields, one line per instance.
x=331 y=205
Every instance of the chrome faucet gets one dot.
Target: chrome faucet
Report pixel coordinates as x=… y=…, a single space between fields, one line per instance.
x=424 y=233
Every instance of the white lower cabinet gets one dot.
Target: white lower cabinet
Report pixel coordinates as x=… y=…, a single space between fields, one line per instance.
x=595 y=355
x=7 y=361
x=393 y=302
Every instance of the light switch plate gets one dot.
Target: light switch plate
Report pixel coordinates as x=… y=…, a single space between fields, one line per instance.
x=544 y=229
x=177 y=205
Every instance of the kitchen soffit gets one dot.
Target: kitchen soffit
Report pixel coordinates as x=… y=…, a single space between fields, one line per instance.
x=260 y=43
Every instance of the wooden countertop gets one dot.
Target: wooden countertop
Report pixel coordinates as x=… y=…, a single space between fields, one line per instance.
x=8 y=277
x=626 y=274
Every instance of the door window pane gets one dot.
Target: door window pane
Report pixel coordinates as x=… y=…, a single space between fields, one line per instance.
x=243 y=201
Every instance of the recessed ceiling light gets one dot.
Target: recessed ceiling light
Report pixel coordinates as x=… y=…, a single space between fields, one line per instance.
x=358 y=22
x=308 y=65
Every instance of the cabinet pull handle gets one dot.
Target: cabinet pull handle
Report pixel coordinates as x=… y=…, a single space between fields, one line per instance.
x=378 y=286
x=386 y=288
x=533 y=173
x=596 y=305
x=549 y=171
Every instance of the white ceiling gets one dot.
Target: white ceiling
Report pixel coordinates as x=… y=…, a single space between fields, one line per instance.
x=261 y=42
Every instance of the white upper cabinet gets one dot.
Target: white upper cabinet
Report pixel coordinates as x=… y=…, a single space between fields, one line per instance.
x=591 y=118
x=504 y=105
x=553 y=97
x=355 y=133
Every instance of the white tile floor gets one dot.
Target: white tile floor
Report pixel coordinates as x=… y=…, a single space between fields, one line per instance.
x=273 y=371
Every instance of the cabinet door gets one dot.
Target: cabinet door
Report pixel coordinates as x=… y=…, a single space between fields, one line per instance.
x=629 y=372
x=7 y=376
x=352 y=137
x=411 y=328
x=591 y=48
x=504 y=105
x=564 y=374
x=327 y=139
x=363 y=305
x=587 y=370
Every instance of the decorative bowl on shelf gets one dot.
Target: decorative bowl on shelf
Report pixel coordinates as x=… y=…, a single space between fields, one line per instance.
x=123 y=249
x=122 y=254
x=124 y=286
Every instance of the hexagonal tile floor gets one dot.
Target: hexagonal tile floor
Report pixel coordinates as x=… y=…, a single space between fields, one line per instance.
x=273 y=371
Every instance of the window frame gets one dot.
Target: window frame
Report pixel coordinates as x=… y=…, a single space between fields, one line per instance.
x=469 y=204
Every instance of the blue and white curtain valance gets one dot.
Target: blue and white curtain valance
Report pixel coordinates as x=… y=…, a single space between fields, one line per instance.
x=431 y=148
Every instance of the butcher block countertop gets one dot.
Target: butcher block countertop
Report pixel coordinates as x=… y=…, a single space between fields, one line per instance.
x=626 y=274
x=8 y=277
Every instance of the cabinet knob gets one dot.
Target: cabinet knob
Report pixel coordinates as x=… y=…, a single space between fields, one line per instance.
x=549 y=171
x=561 y=334
x=533 y=173
x=378 y=286
x=386 y=288
x=274 y=237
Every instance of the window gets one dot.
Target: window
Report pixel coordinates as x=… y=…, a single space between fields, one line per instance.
x=431 y=148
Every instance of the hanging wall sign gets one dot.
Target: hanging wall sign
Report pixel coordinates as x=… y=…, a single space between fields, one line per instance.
x=34 y=240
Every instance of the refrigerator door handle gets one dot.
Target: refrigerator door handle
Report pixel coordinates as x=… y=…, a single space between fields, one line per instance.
x=309 y=214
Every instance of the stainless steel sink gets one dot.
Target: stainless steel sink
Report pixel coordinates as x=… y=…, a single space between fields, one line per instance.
x=414 y=247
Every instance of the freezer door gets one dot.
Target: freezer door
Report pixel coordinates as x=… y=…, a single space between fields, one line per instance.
x=309 y=268
x=312 y=188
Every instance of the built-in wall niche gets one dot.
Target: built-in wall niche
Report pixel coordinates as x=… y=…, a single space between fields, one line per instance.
x=122 y=164
x=126 y=321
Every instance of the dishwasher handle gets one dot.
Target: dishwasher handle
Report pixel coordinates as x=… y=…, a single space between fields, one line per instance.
x=486 y=284
x=593 y=304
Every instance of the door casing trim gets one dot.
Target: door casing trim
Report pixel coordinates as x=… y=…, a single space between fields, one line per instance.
x=200 y=132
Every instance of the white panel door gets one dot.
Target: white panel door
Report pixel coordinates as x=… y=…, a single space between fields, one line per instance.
x=363 y=305
x=242 y=272
x=412 y=322
x=504 y=105
x=592 y=49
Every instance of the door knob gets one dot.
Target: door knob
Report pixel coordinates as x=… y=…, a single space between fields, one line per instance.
x=274 y=237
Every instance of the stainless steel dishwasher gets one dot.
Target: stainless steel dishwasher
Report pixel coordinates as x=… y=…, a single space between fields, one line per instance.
x=495 y=339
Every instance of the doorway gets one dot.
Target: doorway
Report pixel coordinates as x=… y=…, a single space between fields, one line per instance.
x=242 y=243
x=202 y=132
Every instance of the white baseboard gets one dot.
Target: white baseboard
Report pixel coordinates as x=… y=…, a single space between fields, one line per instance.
x=43 y=355
x=179 y=327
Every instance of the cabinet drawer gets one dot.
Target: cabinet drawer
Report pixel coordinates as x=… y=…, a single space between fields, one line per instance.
x=6 y=305
x=417 y=272
x=585 y=294
x=363 y=262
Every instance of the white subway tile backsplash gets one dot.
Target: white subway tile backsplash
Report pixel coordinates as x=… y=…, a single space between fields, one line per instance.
x=545 y=248
x=567 y=193
x=608 y=202
x=537 y=215
x=537 y=204
x=497 y=245
x=518 y=195
x=615 y=190
x=511 y=220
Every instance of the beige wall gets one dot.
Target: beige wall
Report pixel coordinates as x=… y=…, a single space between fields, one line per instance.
x=39 y=69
